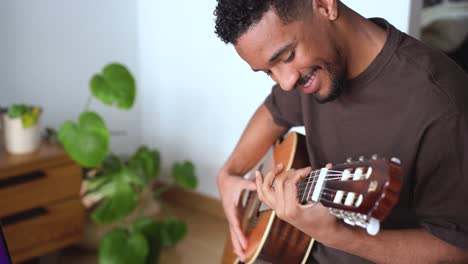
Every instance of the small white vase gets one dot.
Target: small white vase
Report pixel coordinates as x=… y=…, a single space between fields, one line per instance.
x=20 y=140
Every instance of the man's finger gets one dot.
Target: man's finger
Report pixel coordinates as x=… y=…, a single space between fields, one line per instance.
x=240 y=236
x=264 y=190
x=250 y=185
x=235 y=243
x=233 y=219
x=271 y=175
x=300 y=174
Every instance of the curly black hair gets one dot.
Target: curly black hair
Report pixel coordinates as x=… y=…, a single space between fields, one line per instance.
x=235 y=17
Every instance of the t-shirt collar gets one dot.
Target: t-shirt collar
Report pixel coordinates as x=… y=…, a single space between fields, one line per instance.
x=384 y=56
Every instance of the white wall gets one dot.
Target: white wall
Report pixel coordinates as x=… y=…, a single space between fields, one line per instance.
x=50 y=48
x=403 y=14
x=197 y=93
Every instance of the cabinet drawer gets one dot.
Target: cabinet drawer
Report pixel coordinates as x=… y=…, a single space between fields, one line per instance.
x=39 y=187
x=54 y=227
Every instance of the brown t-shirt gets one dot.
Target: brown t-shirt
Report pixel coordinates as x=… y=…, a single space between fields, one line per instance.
x=412 y=103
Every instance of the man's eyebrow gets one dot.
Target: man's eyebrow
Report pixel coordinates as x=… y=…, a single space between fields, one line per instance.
x=277 y=54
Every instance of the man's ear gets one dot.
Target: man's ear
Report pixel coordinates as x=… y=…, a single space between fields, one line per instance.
x=327 y=8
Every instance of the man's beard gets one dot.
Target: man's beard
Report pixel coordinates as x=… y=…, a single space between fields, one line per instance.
x=338 y=79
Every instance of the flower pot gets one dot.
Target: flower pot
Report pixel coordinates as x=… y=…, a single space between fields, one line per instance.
x=20 y=140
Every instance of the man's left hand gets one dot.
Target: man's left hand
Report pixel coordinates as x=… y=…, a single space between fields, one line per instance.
x=279 y=190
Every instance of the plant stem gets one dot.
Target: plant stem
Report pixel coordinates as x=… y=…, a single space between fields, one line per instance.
x=126 y=224
x=157 y=193
x=88 y=103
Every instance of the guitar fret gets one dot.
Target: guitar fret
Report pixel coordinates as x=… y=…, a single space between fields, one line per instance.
x=304 y=190
x=312 y=185
x=319 y=185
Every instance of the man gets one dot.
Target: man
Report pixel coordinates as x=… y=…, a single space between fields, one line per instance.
x=358 y=87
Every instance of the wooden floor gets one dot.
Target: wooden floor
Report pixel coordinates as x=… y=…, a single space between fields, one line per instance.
x=204 y=242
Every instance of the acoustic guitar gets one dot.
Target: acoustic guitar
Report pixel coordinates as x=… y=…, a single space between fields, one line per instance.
x=362 y=193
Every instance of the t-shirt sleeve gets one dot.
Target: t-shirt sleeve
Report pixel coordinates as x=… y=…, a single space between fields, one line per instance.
x=285 y=107
x=441 y=183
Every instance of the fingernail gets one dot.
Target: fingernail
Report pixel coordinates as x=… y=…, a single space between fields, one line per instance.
x=257 y=173
x=280 y=165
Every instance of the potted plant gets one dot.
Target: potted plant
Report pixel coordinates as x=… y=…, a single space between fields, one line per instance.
x=119 y=191
x=22 y=128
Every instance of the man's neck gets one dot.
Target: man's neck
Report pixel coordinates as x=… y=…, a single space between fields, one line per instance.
x=361 y=40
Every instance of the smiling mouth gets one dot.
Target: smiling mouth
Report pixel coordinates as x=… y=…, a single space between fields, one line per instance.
x=307 y=80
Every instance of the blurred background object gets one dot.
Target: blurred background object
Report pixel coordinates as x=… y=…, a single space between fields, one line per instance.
x=444 y=25
x=22 y=128
x=192 y=101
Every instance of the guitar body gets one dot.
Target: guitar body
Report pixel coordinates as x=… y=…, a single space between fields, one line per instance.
x=270 y=239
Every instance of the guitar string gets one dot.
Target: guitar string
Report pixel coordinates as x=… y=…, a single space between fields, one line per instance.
x=303 y=183
x=328 y=177
x=324 y=189
x=336 y=176
x=303 y=188
x=325 y=192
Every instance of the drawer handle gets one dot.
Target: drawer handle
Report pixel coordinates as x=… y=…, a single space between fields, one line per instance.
x=21 y=178
x=22 y=216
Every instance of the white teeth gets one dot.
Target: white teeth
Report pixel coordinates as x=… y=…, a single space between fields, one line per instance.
x=309 y=82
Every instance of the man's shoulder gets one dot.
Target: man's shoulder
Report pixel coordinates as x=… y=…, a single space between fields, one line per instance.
x=427 y=58
x=432 y=71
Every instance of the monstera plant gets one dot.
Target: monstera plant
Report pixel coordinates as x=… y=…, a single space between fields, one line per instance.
x=117 y=184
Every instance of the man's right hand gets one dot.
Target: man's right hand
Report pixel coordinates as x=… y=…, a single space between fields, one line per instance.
x=230 y=188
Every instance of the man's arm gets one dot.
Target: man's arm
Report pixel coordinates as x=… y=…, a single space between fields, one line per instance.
x=258 y=136
x=260 y=133
x=402 y=246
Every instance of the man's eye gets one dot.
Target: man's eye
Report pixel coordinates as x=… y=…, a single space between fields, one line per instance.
x=291 y=57
x=268 y=72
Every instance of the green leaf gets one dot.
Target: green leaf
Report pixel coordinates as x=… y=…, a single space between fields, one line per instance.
x=130 y=177
x=93 y=184
x=16 y=110
x=184 y=174
x=115 y=85
x=151 y=229
x=119 y=198
x=111 y=164
x=165 y=232
x=120 y=247
x=146 y=163
x=176 y=230
x=86 y=142
x=30 y=117
x=101 y=89
x=28 y=114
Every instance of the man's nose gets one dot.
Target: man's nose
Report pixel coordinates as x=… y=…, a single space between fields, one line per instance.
x=287 y=78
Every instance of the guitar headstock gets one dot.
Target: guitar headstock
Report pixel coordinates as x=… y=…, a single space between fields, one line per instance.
x=362 y=190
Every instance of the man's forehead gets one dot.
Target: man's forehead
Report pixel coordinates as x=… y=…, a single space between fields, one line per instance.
x=263 y=38
x=267 y=27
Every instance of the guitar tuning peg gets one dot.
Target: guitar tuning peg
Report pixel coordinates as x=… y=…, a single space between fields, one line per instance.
x=349 y=160
x=375 y=156
x=396 y=160
x=361 y=158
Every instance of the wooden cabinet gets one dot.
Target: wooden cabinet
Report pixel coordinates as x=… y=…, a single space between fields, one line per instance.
x=39 y=201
